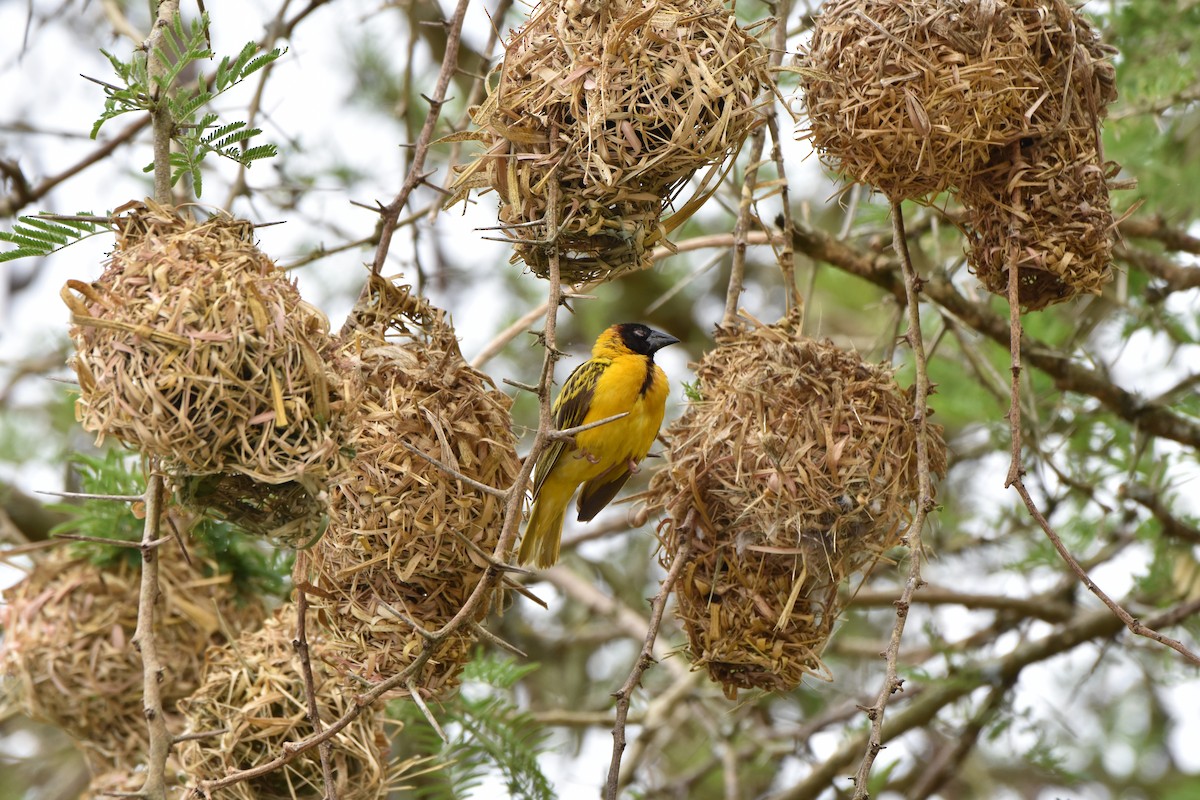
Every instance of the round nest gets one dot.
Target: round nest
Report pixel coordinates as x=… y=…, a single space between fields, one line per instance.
x=406 y=542
x=67 y=649
x=194 y=348
x=619 y=102
x=796 y=469
x=254 y=692
x=1046 y=209
x=915 y=97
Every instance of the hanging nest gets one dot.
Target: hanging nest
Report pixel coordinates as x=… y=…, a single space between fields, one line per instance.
x=916 y=97
x=406 y=541
x=67 y=651
x=619 y=103
x=1046 y=209
x=192 y=347
x=796 y=470
x=254 y=692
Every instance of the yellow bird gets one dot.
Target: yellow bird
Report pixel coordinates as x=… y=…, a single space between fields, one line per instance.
x=621 y=376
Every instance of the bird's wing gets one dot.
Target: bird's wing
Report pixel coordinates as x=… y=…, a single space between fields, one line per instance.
x=570 y=410
x=600 y=490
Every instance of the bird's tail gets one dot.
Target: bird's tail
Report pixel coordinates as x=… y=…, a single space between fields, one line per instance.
x=544 y=531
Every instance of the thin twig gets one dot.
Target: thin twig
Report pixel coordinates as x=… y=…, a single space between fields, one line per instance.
x=786 y=255
x=1014 y=325
x=452 y=472
x=118 y=498
x=567 y=433
x=155 y=785
x=300 y=645
x=79 y=537
x=891 y=682
x=737 y=272
x=644 y=660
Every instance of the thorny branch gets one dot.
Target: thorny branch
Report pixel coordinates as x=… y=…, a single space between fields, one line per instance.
x=144 y=638
x=891 y=682
x=155 y=785
x=390 y=213
x=644 y=660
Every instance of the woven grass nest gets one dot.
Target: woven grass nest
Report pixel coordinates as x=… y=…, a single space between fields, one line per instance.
x=1046 y=209
x=796 y=469
x=916 y=96
x=192 y=347
x=619 y=102
x=254 y=691
x=405 y=539
x=67 y=653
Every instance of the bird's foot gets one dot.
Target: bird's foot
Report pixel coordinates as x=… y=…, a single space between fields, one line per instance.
x=591 y=459
x=634 y=467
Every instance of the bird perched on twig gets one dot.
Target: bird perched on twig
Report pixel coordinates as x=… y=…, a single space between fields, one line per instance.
x=620 y=377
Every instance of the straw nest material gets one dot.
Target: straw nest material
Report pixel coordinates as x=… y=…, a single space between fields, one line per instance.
x=797 y=468
x=1045 y=209
x=915 y=97
x=67 y=652
x=194 y=348
x=254 y=693
x=619 y=103
x=406 y=540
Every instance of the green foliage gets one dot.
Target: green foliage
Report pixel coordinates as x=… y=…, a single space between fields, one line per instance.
x=1156 y=74
x=487 y=732
x=39 y=237
x=113 y=473
x=196 y=136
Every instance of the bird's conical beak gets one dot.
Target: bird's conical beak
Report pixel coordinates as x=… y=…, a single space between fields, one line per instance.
x=657 y=340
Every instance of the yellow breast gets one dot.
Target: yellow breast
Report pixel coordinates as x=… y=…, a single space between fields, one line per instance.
x=630 y=383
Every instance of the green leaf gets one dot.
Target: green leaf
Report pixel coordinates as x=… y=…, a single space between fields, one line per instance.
x=35 y=237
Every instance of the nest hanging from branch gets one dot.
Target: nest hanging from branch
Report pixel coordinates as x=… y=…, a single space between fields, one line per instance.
x=918 y=96
x=67 y=652
x=406 y=540
x=1046 y=209
x=620 y=103
x=192 y=347
x=796 y=470
x=254 y=693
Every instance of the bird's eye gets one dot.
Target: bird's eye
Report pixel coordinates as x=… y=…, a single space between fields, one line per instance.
x=640 y=333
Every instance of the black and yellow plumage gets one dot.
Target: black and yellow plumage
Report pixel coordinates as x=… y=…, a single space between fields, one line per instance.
x=621 y=376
